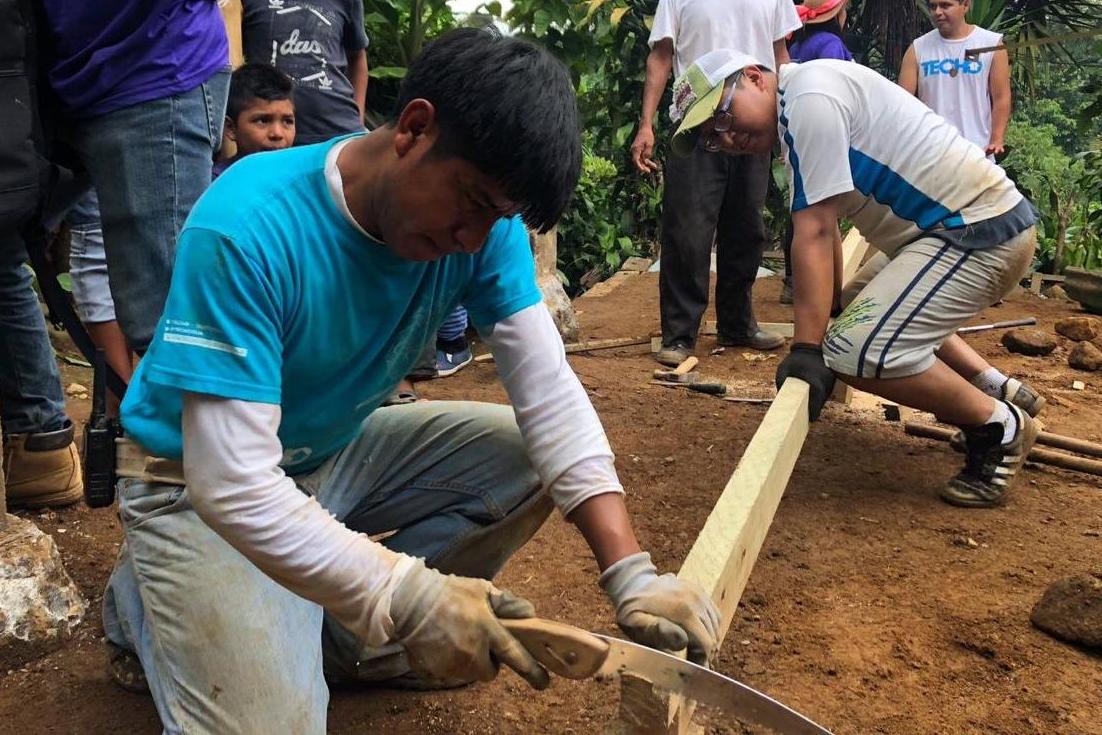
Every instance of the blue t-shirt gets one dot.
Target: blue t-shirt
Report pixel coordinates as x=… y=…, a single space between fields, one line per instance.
x=277 y=298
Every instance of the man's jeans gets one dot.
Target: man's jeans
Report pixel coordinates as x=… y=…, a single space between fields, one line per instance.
x=149 y=164
x=31 y=400
x=228 y=650
x=711 y=197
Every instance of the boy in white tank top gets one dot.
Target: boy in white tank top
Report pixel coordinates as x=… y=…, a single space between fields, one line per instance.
x=971 y=93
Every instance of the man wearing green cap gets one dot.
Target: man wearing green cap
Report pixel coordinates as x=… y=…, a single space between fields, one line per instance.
x=957 y=233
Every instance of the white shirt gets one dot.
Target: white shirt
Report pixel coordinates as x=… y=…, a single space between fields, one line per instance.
x=901 y=169
x=955 y=87
x=699 y=26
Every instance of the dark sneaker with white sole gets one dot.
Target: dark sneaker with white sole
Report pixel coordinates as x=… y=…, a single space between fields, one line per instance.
x=1013 y=391
x=990 y=467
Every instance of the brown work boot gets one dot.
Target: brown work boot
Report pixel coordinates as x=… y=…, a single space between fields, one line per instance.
x=42 y=470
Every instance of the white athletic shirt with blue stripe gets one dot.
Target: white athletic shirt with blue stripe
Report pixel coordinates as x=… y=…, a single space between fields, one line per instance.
x=900 y=170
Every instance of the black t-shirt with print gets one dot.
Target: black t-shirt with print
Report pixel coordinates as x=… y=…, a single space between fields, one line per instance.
x=309 y=40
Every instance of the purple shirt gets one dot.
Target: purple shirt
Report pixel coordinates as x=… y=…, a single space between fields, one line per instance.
x=822 y=45
x=110 y=54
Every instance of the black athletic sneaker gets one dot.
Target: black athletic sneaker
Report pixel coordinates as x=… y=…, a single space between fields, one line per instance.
x=991 y=466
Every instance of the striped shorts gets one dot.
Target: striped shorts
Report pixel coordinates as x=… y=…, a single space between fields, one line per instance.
x=899 y=310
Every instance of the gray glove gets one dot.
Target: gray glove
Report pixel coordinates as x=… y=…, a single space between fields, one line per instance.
x=449 y=627
x=661 y=611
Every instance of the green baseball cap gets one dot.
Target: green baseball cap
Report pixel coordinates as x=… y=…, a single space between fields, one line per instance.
x=697 y=92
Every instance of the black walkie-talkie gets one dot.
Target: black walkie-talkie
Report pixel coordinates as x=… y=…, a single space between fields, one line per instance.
x=99 y=442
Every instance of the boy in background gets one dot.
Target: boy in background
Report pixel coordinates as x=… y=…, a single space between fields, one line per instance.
x=260 y=112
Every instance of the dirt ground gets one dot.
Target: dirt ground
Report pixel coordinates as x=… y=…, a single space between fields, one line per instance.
x=869 y=609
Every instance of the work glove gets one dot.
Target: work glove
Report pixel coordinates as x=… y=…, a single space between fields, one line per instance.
x=450 y=629
x=805 y=361
x=661 y=611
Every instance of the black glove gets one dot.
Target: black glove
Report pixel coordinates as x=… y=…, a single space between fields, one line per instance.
x=805 y=362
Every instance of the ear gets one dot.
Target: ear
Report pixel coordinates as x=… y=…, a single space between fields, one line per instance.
x=416 y=126
x=754 y=77
x=230 y=128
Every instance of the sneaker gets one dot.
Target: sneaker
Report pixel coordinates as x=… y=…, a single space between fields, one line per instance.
x=990 y=466
x=759 y=340
x=43 y=470
x=674 y=354
x=786 y=293
x=1016 y=392
x=450 y=363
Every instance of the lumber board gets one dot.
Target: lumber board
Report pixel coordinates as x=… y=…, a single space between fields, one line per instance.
x=854 y=249
x=724 y=553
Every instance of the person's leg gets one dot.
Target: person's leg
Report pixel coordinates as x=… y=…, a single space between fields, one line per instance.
x=450 y=482
x=150 y=163
x=884 y=342
x=786 y=289
x=40 y=455
x=691 y=200
x=224 y=648
x=740 y=241
x=452 y=351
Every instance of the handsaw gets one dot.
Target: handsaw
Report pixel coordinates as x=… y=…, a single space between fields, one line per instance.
x=574 y=653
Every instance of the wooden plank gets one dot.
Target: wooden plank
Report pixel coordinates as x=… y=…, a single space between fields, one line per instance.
x=854 y=250
x=785 y=329
x=724 y=553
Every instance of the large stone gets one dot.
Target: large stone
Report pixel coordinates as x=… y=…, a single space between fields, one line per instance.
x=1056 y=292
x=1078 y=328
x=1085 y=356
x=40 y=607
x=1071 y=610
x=1085 y=287
x=1029 y=341
x=562 y=311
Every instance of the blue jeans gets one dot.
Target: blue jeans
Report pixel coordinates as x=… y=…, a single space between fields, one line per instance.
x=149 y=164
x=31 y=400
x=227 y=650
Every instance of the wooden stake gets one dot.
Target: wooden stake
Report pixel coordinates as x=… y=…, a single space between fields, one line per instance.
x=587 y=346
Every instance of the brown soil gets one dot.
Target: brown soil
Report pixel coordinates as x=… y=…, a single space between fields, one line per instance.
x=868 y=609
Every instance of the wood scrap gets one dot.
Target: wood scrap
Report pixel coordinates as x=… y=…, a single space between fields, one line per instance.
x=587 y=346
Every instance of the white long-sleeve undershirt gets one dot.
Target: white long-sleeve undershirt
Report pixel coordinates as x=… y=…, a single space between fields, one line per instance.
x=231 y=462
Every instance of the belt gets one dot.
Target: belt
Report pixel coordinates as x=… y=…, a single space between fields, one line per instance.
x=132 y=460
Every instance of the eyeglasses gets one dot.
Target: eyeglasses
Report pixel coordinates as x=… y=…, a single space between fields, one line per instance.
x=722 y=120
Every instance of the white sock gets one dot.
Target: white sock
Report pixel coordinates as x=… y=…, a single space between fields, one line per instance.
x=991 y=382
x=1003 y=415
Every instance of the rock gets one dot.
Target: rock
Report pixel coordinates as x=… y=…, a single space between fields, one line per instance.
x=1029 y=341
x=75 y=389
x=1085 y=356
x=562 y=311
x=1071 y=610
x=1056 y=292
x=1078 y=328
x=40 y=607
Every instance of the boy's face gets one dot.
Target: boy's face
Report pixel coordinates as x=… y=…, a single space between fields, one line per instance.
x=264 y=125
x=435 y=205
x=754 y=109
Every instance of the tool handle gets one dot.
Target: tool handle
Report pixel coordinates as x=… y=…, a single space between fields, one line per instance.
x=712 y=389
x=562 y=649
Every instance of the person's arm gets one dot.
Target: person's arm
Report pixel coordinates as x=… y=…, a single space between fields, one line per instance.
x=908 y=71
x=780 y=53
x=813 y=269
x=999 y=84
x=449 y=625
x=357 y=75
x=571 y=454
x=659 y=66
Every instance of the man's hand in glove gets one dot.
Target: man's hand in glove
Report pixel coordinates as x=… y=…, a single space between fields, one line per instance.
x=805 y=362
x=450 y=629
x=661 y=611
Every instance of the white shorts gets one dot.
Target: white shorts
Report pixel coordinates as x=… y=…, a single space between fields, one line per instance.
x=898 y=311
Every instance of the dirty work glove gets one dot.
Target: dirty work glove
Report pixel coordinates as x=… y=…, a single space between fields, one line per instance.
x=805 y=362
x=661 y=611
x=450 y=629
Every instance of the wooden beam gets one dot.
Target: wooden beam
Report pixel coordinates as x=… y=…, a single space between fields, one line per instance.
x=854 y=250
x=587 y=346
x=724 y=553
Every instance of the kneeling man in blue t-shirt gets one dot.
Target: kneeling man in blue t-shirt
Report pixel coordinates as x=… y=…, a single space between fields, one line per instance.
x=306 y=283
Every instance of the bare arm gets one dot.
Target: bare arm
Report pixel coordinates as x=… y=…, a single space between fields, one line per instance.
x=659 y=66
x=999 y=84
x=813 y=269
x=908 y=71
x=357 y=74
x=780 y=53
